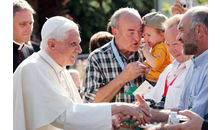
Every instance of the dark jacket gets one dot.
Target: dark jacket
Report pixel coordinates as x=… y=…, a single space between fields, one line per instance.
x=20 y=55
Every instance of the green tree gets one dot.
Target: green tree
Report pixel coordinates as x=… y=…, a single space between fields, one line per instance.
x=203 y=2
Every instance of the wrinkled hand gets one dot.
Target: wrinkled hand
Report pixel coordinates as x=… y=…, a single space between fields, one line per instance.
x=194 y=122
x=144 y=108
x=177 y=8
x=117 y=119
x=140 y=112
x=133 y=70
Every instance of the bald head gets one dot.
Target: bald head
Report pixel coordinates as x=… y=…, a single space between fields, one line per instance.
x=124 y=13
x=198 y=14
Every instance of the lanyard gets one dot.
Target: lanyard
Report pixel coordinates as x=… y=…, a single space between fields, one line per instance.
x=171 y=83
x=119 y=60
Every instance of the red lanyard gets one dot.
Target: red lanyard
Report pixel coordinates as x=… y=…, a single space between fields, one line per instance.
x=171 y=83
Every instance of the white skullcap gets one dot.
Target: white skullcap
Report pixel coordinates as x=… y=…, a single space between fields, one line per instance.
x=52 y=24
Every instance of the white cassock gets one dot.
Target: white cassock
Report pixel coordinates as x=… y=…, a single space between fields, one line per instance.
x=175 y=90
x=44 y=96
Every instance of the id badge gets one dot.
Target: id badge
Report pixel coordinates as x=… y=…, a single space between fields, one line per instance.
x=129 y=90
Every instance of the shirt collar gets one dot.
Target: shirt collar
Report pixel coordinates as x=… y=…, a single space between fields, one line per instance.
x=50 y=61
x=186 y=63
x=19 y=44
x=130 y=57
x=201 y=59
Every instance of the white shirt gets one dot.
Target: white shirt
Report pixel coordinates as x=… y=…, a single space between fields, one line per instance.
x=40 y=97
x=174 y=91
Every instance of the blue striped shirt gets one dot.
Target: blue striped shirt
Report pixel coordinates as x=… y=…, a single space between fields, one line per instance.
x=195 y=92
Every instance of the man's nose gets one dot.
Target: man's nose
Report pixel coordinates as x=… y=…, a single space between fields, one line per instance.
x=79 y=49
x=179 y=37
x=137 y=36
x=29 y=28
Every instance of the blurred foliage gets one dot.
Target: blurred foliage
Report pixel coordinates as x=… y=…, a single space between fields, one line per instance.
x=203 y=2
x=93 y=15
x=166 y=9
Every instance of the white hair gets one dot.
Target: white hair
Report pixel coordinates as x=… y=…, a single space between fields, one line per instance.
x=172 y=21
x=116 y=16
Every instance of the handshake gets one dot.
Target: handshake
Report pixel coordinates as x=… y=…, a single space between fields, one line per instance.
x=138 y=112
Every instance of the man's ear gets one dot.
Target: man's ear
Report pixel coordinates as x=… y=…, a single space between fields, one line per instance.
x=114 y=31
x=51 y=43
x=200 y=30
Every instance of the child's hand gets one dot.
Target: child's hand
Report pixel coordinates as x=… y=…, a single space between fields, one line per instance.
x=146 y=48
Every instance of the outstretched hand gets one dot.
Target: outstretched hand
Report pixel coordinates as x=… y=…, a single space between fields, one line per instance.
x=144 y=108
x=144 y=114
x=139 y=113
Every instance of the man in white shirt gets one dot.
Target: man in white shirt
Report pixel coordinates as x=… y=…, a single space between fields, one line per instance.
x=171 y=80
x=46 y=98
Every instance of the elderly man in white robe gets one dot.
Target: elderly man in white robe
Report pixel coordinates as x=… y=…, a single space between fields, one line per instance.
x=46 y=98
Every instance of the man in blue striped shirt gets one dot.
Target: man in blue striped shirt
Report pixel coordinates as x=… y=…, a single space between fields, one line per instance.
x=194 y=37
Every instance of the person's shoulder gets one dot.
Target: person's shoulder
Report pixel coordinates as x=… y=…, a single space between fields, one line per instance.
x=161 y=48
x=104 y=50
x=28 y=47
x=31 y=61
x=36 y=46
x=162 y=45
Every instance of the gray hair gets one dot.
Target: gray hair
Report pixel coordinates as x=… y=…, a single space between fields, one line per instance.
x=172 y=21
x=59 y=33
x=21 y=5
x=116 y=16
x=199 y=15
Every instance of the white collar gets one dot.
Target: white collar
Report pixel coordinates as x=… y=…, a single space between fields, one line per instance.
x=20 y=44
x=50 y=61
x=186 y=63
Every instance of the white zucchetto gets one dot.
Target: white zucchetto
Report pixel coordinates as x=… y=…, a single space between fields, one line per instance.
x=52 y=24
